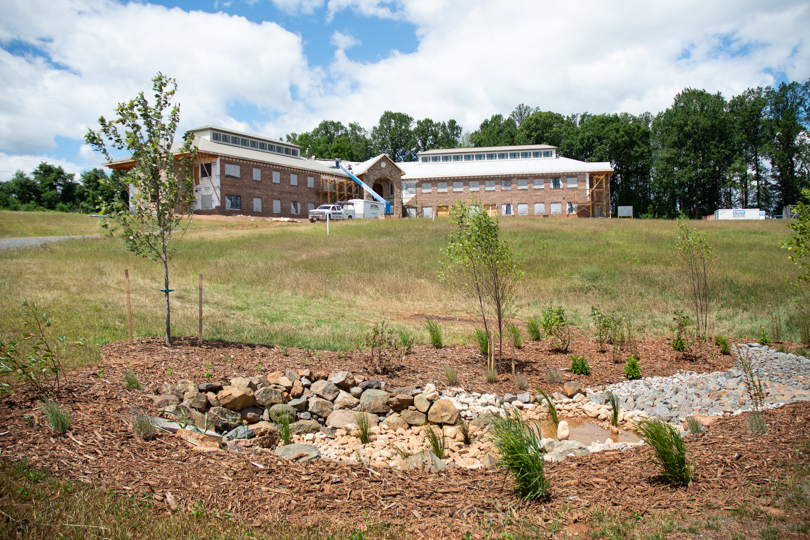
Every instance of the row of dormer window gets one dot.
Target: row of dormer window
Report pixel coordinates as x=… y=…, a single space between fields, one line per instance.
x=488 y=156
x=253 y=144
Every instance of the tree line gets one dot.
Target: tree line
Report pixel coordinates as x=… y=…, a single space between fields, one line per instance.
x=702 y=153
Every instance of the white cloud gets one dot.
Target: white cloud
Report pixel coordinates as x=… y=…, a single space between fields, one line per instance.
x=10 y=164
x=343 y=41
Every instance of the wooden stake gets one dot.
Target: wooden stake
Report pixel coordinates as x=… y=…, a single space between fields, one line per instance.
x=201 y=290
x=129 y=306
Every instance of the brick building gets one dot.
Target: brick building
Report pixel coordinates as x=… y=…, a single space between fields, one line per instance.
x=241 y=174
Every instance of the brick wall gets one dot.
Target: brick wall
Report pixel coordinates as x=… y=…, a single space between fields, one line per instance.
x=387 y=175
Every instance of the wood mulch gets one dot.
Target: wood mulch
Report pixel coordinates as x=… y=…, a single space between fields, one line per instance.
x=101 y=449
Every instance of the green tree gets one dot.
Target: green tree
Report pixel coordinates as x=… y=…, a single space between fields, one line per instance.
x=788 y=122
x=482 y=269
x=522 y=112
x=495 y=131
x=750 y=139
x=799 y=244
x=429 y=135
x=545 y=127
x=56 y=187
x=162 y=186
x=21 y=190
x=393 y=136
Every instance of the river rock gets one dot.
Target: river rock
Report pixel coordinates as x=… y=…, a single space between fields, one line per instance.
x=414 y=418
x=443 y=412
x=421 y=402
x=375 y=401
x=236 y=397
x=590 y=409
x=320 y=407
x=269 y=396
x=342 y=379
x=394 y=422
x=346 y=401
x=340 y=418
x=305 y=426
x=400 y=402
x=562 y=430
x=301 y=453
x=325 y=389
x=423 y=460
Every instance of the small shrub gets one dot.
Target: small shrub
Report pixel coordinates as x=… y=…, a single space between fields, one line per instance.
x=435 y=332
x=452 y=376
x=763 y=338
x=436 y=444
x=753 y=383
x=631 y=369
x=284 y=351
x=514 y=334
x=58 y=417
x=579 y=365
x=801 y=351
x=521 y=382
x=614 y=407
x=208 y=372
x=669 y=450
x=143 y=425
x=282 y=421
x=483 y=342
x=363 y=428
x=384 y=348
x=534 y=328
x=131 y=380
x=464 y=429
x=554 y=375
x=406 y=339
x=680 y=327
x=756 y=423
x=555 y=323
x=522 y=454
x=492 y=376
x=694 y=425
x=722 y=342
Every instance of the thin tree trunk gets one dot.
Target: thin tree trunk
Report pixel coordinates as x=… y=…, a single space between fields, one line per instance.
x=166 y=295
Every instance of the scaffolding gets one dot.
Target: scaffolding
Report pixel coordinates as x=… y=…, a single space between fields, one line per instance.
x=338 y=190
x=594 y=200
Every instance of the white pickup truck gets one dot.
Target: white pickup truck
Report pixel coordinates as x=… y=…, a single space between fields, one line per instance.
x=334 y=211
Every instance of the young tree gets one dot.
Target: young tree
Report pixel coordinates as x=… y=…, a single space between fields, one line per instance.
x=161 y=183
x=697 y=264
x=482 y=268
x=799 y=244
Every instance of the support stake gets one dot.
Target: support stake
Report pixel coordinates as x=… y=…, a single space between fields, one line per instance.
x=129 y=306
x=201 y=291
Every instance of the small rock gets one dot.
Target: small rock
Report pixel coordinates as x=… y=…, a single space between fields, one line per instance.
x=251 y=414
x=423 y=460
x=590 y=409
x=395 y=421
x=342 y=379
x=525 y=397
x=443 y=412
x=299 y=404
x=571 y=388
x=223 y=419
x=371 y=384
x=305 y=426
x=414 y=418
x=346 y=401
x=279 y=409
x=297 y=390
x=269 y=396
x=375 y=401
x=292 y=375
x=301 y=453
x=210 y=387
x=236 y=397
x=325 y=389
x=562 y=430
x=240 y=432
x=400 y=402
x=244 y=382
x=320 y=406
x=340 y=418
x=421 y=402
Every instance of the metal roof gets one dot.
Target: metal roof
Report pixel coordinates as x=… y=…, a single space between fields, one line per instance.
x=242 y=133
x=415 y=170
x=484 y=149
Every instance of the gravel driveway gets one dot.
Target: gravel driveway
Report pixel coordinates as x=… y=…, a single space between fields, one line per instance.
x=11 y=243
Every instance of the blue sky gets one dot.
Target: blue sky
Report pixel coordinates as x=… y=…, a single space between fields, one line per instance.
x=280 y=66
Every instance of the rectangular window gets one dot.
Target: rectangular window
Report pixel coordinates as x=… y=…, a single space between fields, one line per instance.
x=555 y=183
x=441 y=187
x=523 y=209
x=257 y=204
x=217 y=137
x=537 y=154
x=571 y=182
x=391 y=190
x=539 y=183
x=233 y=202
x=205 y=170
x=492 y=156
x=468 y=157
x=570 y=208
x=523 y=183
x=503 y=155
x=479 y=157
x=556 y=208
x=310 y=206
x=293 y=179
x=457 y=158
x=425 y=160
x=271 y=148
x=295 y=152
x=276 y=206
x=445 y=158
x=257 y=174
x=548 y=153
x=525 y=154
x=506 y=209
x=427 y=187
x=310 y=182
x=244 y=142
x=295 y=208
x=262 y=146
x=226 y=139
x=489 y=185
x=427 y=211
x=288 y=151
x=435 y=158
x=408 y=190
x=458 y=186
x=474 y=185
x=276 y=177
x=231 y=171
x=506 y=185
x=514 y=155
x=254 y=144
x=539 y=208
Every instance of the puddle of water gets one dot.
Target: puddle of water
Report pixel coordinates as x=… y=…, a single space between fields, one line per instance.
x=586 y=431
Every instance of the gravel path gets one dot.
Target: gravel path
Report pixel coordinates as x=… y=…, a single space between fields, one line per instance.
x=32 y=241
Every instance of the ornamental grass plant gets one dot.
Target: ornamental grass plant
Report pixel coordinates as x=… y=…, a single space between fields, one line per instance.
x=669 y=450
x=521 y=452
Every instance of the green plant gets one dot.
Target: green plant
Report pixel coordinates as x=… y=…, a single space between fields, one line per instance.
x=452 y=376
x=552 y=410
x=521 y=382
x=669 y=450
x=404 y=454
x=131 y=380
x=437 y=444
x=284 y=351
x=406 y=339
x=801 y=351
x=763 y=338
x=383 y=347
x=631 y=369
x=483 y=341
x=680 y=327
x=694 y=425
x=492 y=376
x=555 y=323
x=579 y=365
x=435 y=332
x=170 y=372
x=534 y=328
x=522 y=454
x=722 y=342
x=208 y=372
x=614 y=407
x=101 y=372
x=554 y=375
x=608 y=329
x=363 y=428
x=143 y=425
x=36 y=358
x=776 y=327
x=753 y=384
x=58 y=417
x=514 y=333
x=282 y=421
x=698 y=265
x=464 y=429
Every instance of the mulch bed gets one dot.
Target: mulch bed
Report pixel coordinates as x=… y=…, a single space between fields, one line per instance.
x=101 y=449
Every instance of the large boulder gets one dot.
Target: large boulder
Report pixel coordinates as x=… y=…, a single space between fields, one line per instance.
x=375 y=401
x=320 y=407
x=236 y=397
x=443 y=412
x=325 y=389
x=414 y=418
x=222 y=419
x=269 y=396
x=340 y=418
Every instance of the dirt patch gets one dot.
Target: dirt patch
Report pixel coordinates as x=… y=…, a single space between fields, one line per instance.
x=101 y=449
